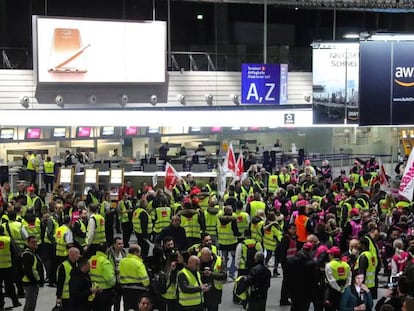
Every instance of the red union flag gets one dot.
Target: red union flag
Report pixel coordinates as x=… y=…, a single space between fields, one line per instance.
x=383 y=179
x=171 y=177
x=230 y=160
x=240 y=165
x=407 y=181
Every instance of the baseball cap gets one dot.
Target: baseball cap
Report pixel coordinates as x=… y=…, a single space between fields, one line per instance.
x=307 y=246
x=334 y=251
x=354 y=212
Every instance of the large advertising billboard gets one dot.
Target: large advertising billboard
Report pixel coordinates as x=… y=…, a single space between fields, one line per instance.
x=93 y=51
x=387 y=83
x=335 y=83
x=264 y=84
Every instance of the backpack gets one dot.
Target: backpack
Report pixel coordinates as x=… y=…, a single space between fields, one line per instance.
x=251 y=252
x=158 y=282
x=240 y=291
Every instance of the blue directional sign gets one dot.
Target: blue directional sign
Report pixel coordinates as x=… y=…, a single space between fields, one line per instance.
x=264 y=84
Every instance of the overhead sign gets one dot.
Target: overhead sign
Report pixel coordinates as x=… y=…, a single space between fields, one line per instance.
x=335 y=83
x=387 y=82
x=264 y=84
x=96 y=51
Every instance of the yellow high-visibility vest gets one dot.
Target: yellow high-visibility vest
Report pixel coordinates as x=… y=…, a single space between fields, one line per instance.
x=5 y=253
x=190 y=299
x=133 y=271
x=163 y=218
x=225 y=234
x=68 y=268
x=99 y=236
x=136 y=221
x=61 y=247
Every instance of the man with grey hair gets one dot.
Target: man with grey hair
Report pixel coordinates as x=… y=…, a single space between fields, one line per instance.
x=259 y=281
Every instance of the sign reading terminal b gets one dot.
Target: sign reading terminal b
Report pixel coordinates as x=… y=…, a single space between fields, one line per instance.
x=264 y=84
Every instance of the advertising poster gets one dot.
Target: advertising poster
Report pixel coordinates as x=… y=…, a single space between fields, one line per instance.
x=264 y=84
x=335 y=83
x=387 y=82
x=95 y=51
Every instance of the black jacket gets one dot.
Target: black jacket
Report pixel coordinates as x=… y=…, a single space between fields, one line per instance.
x=302 y=275
x=178 y=235
x=61 y=278
x=79 y=290
x=259 y=281
x=28 y=258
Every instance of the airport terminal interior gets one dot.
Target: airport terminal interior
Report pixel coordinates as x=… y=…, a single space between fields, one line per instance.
x=121 y=88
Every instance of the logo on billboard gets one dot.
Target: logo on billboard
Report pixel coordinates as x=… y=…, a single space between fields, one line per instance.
x=289 y=118
x=353 y=114
x=404 y=73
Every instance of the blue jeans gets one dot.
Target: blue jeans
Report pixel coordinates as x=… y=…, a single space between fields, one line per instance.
x=31 y=292
x=232 y=268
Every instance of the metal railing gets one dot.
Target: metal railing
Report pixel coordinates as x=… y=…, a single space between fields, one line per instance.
x=15 y=58
x=299 y=59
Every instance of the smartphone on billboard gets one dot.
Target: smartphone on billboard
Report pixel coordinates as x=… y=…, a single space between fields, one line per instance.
x=67 y=54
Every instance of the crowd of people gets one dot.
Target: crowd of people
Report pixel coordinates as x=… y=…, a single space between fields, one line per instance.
x=331 y=237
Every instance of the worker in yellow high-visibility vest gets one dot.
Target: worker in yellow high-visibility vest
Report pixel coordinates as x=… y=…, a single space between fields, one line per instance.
x=49 y=176
x=7 y=252
x=31 y=167
x=212 y=272
x=338 y=274
x=133 y=277
x=64 y=241
x=63 y=278
x=228 y=235
x=16 y=231
x=372 y=236
x=33 y=273
x=95 y=233
x=142 y=226
x=103 y=276
x=190 y=288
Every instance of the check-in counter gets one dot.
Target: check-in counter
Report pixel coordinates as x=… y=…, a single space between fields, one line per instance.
x=137 y=177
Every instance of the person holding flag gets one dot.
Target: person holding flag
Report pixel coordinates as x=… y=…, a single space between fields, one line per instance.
x=230 y=161
x=240 y=166
x=171 y=178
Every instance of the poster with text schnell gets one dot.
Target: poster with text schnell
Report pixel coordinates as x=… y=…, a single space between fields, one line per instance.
x=335 y=83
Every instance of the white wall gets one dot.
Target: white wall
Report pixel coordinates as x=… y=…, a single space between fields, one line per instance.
x=14 y=84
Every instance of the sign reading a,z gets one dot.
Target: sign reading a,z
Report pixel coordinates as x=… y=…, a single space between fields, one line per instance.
x=264 y=84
